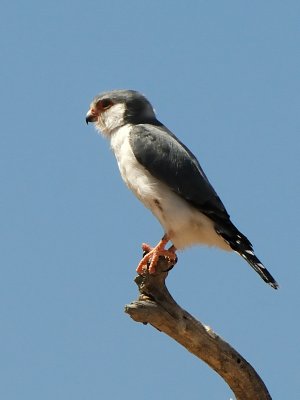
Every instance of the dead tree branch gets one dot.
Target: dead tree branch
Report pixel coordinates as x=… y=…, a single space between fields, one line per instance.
x=156 y=306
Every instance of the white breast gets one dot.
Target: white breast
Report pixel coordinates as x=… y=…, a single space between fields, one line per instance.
x=136 y=177
x=185 y=225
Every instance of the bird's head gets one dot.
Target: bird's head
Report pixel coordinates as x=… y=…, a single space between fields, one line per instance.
x=111 y=110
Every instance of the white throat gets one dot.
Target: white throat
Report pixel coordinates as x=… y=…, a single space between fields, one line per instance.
x=111 y=119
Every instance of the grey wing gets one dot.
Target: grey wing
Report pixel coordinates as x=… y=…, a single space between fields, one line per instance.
x=170 y=161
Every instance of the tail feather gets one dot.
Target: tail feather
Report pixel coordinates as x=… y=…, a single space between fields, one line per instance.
x=255 y=263
x=241 y=245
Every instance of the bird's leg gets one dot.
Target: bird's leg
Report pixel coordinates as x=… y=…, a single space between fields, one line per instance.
x=153 y=253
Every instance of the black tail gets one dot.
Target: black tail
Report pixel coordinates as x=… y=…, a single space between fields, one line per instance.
x=240 y=244
x=251 y=258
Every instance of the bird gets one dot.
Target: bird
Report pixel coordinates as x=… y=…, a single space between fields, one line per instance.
x=168 y=179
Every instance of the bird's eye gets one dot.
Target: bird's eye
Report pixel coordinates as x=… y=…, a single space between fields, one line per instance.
x=105 y=104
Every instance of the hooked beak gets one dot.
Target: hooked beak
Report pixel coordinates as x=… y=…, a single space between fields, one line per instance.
x=91 y=116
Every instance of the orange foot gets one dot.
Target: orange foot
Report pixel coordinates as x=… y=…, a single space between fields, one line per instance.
x=153 y=254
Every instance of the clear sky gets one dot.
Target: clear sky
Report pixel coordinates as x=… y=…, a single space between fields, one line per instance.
x=224 y=76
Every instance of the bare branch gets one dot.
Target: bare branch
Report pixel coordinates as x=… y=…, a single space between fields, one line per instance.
x=157 y=307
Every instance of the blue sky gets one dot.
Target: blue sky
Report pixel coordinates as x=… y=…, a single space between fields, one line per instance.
x=224 y=76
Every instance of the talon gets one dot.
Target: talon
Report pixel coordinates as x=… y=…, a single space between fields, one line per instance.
x=151 y=255
x=146 y=248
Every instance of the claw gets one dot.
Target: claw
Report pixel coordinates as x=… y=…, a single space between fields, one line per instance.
x=151 y=255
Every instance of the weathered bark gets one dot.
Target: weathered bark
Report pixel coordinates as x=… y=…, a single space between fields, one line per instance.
x=156 y=306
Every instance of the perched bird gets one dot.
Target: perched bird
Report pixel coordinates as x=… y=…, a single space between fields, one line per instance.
x=164 y=174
